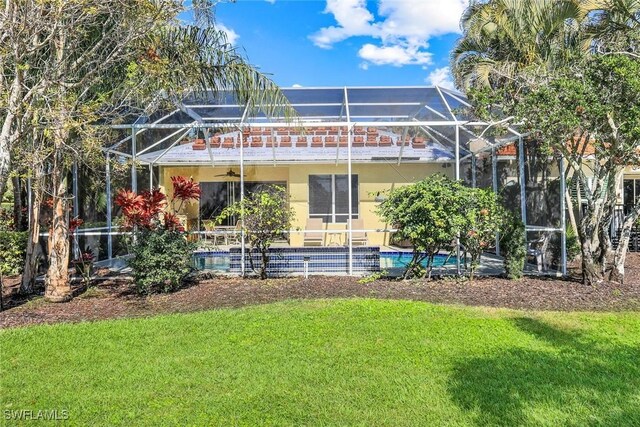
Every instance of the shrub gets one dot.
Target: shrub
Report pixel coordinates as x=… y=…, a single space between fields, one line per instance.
x=429 y=214
x=161 y=253
x=161 y=260
x=484 y=218
x=266 y=217
x=13 y=246
x=514 y=247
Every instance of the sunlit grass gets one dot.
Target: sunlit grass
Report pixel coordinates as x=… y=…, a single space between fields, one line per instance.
x=332 y=362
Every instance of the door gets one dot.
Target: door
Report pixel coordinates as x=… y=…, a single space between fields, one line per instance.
x=218 y=195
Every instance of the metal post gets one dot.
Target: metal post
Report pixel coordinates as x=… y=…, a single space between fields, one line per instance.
x=494 y=183
x=563 y=216
x=29 y=200
x=150 y=176
x=350 y=129
x=76 y=204
x=108 y=191
x=458 y=270
x=474 y=177
x=242 y=244
x=523 y=194
x=134 y=172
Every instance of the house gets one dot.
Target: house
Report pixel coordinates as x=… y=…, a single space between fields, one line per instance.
x=310 y=163
x=381 y=137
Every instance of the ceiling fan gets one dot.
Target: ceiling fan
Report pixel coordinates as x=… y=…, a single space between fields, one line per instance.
x=231 y=174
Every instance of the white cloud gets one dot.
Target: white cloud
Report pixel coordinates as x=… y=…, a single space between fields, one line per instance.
x=232 y=36
x=270 y=1
x=353 y=18
x=396 y=55
x=440 y=77
x=296 y=85
x=403 y=30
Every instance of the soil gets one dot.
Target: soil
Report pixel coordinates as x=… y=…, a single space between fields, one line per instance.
x=114 y=297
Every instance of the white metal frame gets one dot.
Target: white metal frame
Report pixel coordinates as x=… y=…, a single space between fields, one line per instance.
x=345 y=119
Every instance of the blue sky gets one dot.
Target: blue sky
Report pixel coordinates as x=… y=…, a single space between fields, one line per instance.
x=346 y=42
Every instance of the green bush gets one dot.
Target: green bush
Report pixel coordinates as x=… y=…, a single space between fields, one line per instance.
x=13 y=246
x=484 y=219
x=161 y=260
x=514 y=248
x=428 y=213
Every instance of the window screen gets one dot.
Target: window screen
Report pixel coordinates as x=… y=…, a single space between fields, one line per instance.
x=329 y=197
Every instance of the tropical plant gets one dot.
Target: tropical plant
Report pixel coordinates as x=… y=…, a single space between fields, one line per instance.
x=266 y=217
x=484 y=219
x=567 y=70
x=12 y=250
x=161 y=252
x=428 y=213
x=68 y=65
x=592 y=107
x=513 y=242
x=161 y=260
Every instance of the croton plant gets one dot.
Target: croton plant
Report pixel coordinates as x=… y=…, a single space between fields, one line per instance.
x=147 y=210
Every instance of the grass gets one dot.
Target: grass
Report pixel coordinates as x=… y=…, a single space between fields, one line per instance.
x=331 y=362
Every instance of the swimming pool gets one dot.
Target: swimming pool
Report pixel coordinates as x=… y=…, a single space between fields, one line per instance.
x=322 y=260
x=212 y=261
x=390 y=260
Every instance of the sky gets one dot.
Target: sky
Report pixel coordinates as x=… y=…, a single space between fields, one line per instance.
x=315 y=43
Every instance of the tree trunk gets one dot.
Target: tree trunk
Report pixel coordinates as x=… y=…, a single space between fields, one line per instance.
x=591 y=270
x=7 y=130
x=571 y=212
x=34 y=251
x=57 y=287
x=620 y=255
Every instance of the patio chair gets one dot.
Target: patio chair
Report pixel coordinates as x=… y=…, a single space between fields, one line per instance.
x=314 y=237
x=538 y=249
x=234 y=236
x=358 y=237
x=212 y=232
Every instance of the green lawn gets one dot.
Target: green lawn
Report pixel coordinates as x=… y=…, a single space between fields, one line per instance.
x=362 y=362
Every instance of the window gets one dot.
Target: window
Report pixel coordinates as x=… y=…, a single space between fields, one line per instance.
x=329 y=197
x=630 y=193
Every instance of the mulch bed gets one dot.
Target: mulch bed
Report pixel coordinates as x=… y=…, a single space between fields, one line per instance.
x=114 y=298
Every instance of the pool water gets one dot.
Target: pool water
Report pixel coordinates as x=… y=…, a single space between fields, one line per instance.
x=214 y=261
x=402 y=259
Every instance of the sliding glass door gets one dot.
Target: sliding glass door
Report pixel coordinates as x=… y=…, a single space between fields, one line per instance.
x=218 y=195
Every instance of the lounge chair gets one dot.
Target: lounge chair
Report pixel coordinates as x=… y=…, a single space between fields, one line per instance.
x=313 y=237
x=358 y=237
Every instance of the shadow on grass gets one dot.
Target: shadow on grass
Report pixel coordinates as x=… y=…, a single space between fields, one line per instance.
x=578 y=380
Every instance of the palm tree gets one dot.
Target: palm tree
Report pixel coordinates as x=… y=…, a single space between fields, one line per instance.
x=516 y=45
x=503 y=37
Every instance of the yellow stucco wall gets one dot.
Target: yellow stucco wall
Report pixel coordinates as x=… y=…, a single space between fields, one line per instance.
x=372 y=178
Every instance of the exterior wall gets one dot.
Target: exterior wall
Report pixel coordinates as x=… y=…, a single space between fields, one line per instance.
x=372 y=178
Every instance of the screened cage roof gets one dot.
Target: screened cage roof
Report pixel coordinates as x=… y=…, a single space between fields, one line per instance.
x=333 y=104
x=401 y=115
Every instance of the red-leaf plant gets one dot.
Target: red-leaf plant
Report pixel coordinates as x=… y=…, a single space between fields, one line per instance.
x=143 y=210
